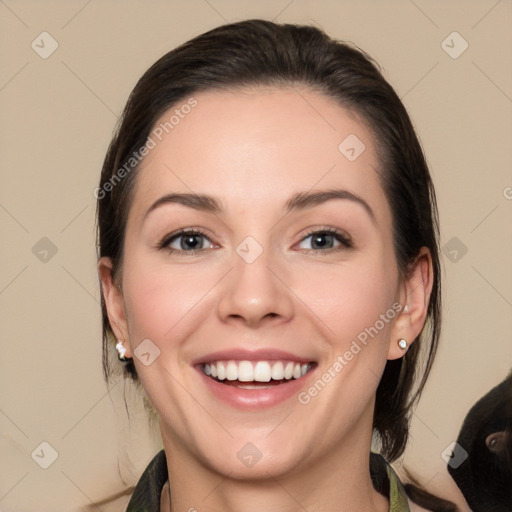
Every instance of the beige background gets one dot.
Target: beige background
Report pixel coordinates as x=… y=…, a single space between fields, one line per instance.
x=57 y=117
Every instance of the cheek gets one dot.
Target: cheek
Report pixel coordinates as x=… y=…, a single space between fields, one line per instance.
x=350 y=298
x=162 y=301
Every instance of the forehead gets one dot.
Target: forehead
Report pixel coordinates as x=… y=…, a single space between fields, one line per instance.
x=259 y=145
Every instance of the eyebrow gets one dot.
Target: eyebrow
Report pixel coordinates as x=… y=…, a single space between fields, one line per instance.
x=199 y=202
x=299 y=201
x=304 y=200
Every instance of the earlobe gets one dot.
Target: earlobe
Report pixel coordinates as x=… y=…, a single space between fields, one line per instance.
x=114 y=302
x=415 y=298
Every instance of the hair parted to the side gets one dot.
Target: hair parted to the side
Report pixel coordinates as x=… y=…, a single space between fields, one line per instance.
x=262 y=53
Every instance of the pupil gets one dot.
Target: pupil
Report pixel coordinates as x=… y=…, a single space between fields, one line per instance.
x=320 y=241
x=190 y=242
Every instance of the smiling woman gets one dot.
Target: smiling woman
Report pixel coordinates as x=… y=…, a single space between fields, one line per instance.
x=280 y=241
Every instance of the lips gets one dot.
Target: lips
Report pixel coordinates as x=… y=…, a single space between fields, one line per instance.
x=256 y=379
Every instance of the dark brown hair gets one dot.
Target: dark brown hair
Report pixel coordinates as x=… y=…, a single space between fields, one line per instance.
x=262 y=53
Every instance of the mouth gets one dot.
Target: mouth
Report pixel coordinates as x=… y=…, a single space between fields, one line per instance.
x=256 y=375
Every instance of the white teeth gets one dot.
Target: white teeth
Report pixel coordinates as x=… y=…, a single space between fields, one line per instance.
x=278 y=371
x=260 y=371
x=232 y=371
x=221 y=370
x=245 y=371
x=248 y=386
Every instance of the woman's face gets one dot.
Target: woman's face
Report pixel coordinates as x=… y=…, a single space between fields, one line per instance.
x=286 y=269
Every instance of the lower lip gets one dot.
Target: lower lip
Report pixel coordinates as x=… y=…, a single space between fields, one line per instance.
x=255 y=398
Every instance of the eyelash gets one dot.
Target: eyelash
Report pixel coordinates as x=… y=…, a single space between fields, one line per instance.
x=340 y=236
x=164 y=244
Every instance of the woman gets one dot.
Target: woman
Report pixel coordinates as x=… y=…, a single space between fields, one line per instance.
x=269 y=263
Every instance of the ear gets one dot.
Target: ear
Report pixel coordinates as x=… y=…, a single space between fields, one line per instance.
x=414 y=296
x=114 y=303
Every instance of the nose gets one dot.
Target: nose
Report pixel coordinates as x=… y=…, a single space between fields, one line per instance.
x=255 y=294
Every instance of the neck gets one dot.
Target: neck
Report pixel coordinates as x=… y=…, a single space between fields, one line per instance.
x=339 y=481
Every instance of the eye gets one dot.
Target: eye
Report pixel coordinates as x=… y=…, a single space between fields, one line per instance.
x=497 y=441
x=190 y=241
x=325 y=240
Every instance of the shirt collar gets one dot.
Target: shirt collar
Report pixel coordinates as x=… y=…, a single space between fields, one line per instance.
x=148 y=491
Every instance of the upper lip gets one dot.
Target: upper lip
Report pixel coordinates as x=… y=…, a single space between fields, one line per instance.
x=263 y=354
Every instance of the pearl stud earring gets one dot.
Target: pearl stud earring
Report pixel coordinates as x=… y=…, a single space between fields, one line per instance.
x=121 y=350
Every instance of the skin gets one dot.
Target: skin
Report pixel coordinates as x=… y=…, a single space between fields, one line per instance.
x=253 y=149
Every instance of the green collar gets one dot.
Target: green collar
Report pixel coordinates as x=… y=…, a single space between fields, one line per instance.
x=398 y=501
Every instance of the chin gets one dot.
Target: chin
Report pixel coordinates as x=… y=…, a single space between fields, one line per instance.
x=250 y=464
